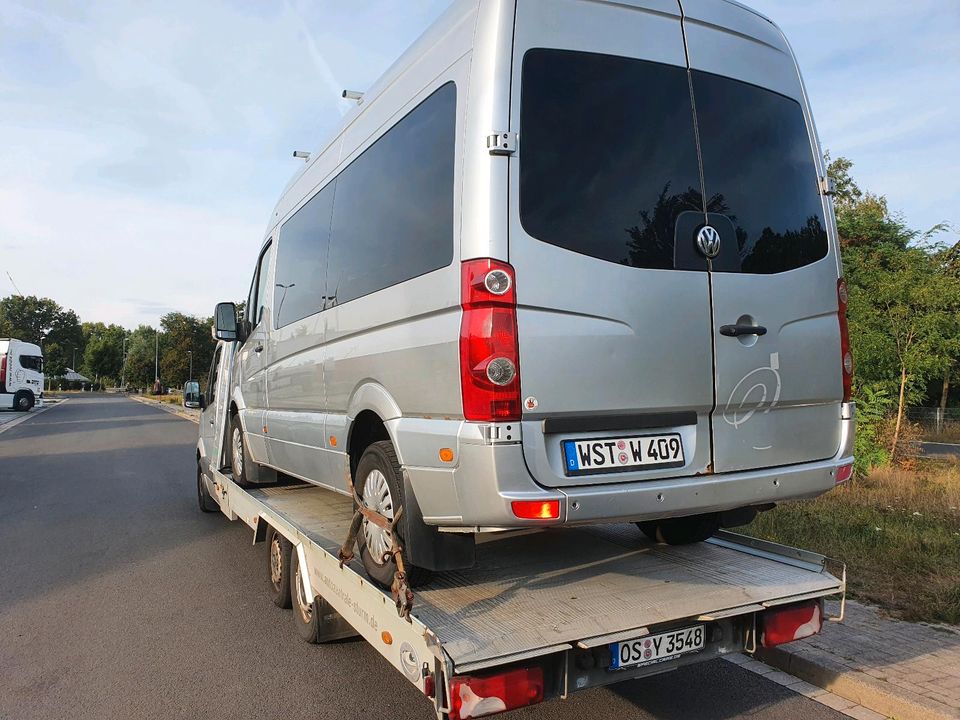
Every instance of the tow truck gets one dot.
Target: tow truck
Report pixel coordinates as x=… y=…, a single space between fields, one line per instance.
x=542 y=614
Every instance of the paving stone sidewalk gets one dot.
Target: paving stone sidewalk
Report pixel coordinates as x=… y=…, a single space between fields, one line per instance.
x=899 y=669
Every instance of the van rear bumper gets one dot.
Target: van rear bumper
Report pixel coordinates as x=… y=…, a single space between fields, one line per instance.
x=489 y=477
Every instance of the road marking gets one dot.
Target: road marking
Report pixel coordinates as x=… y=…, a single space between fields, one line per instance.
x=32 y=414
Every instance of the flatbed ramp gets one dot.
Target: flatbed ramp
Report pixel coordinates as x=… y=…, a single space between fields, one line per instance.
x=538 y=593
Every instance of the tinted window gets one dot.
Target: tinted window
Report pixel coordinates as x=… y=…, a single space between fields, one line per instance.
x=608 y=155
x=758 y=166
x=300 y=285
x=393 y=209
x=263 y=268
x=212 y=378
x=31 y=362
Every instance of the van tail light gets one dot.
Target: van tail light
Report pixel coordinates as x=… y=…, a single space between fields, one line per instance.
x=489 y=353
x=790 y=622
x=473 y=697
x=846 y=357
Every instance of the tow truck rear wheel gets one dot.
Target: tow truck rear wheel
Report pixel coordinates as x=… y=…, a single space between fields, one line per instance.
x=305 y=614
x=379 y=485
x=681 y=530
x=23 y=401
x=278 y=568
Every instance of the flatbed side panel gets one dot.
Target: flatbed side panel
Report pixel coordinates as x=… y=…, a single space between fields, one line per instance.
x=408 y=646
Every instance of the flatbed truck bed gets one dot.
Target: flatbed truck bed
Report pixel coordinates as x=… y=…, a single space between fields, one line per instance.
x=559 y=601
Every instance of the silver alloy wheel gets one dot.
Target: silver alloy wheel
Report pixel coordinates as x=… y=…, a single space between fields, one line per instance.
x=237 y=454
x=376 y=497
x=304 y=607
x=276 y=561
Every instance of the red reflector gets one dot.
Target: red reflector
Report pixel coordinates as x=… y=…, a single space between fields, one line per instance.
x=790 y=622
x=473 y=697
x=844 y=473
x=536 y=509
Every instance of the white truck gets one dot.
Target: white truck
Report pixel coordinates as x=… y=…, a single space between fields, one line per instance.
x=541 y=614
x=21 y=374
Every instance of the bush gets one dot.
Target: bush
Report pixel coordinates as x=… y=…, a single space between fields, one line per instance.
x=873 y=410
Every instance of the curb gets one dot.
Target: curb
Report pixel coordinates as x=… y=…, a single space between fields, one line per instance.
x=857 y=687
x=32 y=414
x=167 y=407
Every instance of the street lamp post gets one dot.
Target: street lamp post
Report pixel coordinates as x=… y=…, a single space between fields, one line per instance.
x=190 y=353
x=156 y=359
x=123 y=366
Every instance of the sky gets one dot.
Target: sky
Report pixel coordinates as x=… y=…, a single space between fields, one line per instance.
x=143 y=145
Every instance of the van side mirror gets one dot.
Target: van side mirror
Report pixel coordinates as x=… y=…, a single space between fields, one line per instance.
x=225 y=326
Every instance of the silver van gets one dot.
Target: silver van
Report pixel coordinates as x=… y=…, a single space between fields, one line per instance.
x=568 y=261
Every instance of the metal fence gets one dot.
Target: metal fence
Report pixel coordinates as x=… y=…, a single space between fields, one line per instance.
x=935 y=420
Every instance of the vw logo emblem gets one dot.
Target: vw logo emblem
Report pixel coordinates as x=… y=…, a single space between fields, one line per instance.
x=708 y=240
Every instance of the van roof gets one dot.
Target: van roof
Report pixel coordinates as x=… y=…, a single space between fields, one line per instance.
x=433 y=34
x=430 y=36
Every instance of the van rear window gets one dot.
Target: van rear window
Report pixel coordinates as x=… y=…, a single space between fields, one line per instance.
x=608 y=165
x=608 y=157
x=758 y=164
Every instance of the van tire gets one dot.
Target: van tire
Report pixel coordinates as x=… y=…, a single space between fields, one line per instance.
x=239 y=457
x=204 y=498
x=279 y=550
x=379 y=464
x=305 y=614
x=681 y=530
x=23 y=401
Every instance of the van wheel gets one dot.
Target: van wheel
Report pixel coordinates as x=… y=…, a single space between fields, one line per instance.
x=379 y=485
x=305 y=614
x=681 y=530
x=238 y=453
x=23 y=401
x=278 y=568
x=204 y=498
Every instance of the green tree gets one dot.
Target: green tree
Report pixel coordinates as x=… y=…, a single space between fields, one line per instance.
x=103 y=354
x=140 y=357
x=41 y=321
x=182 y=336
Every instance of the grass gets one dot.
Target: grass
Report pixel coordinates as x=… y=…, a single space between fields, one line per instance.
x=897 y=530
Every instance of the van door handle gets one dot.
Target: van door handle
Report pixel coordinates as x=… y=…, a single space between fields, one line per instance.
x=738 y=330
x=259 y=348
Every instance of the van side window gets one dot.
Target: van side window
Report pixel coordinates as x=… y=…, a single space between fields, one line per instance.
x=300 y=285
x=257 y=298
x=31 y=362
x=608 y=155
x=757 y=157
x=213 y=377
x=393 y=210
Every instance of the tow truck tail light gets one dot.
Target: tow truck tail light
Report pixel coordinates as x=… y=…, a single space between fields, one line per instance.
x=846 y=357
x=473 y=697
x=489 y=353
x=791 y=622
x=3 y=373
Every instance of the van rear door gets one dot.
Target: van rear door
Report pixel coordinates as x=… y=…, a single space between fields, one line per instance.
x=778 y=394
x=613 y=318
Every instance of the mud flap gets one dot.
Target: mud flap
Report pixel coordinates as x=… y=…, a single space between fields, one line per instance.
x=425 y=546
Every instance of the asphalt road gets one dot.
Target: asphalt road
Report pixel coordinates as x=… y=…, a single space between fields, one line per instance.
x=119 y=599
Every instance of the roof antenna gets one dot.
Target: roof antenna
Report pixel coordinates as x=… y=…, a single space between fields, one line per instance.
x=353 y=95
x=301 y=154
